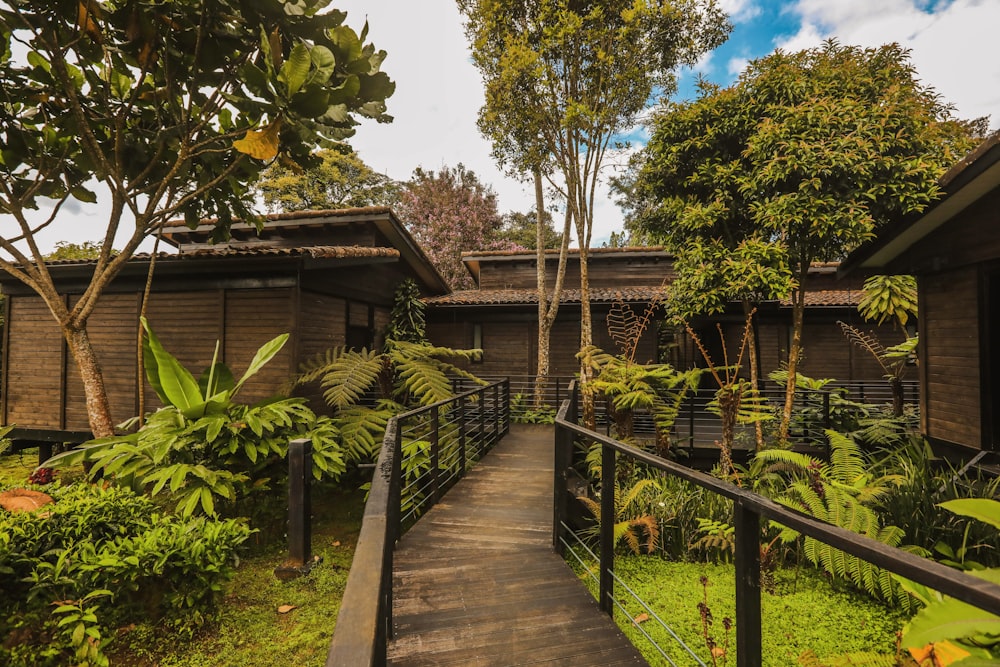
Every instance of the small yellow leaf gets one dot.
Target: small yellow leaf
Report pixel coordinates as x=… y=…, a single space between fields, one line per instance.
x=285 y=608
x=641 y=618
x=260 y=144
x=718 y=652
x=337 y=543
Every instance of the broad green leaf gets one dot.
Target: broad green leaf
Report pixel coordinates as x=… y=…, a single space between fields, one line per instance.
x=264 y=355
x=295 y=69
x=174 y=383
x=983 y=509
x=949 y=619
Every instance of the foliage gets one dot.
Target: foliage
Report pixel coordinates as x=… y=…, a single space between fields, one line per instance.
x=65 y=250
x=946 y=625
x=172 y=109
x=841 y=492
x=637 y=530
x=340 y=180
x=406 y=321
x=814 y=411
x=564 y=79
x=803 y=158
x=736 y=401
x=803 y=614
x=893 y=360
x=520 y=413
x=521 y=230
x=889 y=298
x=450 y=212
x=61 y=566
x=203 y=447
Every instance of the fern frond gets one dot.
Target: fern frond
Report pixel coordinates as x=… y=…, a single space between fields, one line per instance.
x=867 y=342
x=352 y=374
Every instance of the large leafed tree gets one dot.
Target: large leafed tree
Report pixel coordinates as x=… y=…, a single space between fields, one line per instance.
x=799 y=161
x=564 y=79
x=150 y=110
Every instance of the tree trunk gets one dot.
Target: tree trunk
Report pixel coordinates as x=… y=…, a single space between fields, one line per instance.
x=794 y=350
x=586 y=340
x=896 y=385
x=545 y=319
x=754 y=367
x=98 y=407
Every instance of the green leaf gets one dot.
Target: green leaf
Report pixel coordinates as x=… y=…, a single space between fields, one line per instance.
x=949 y=619
x=264 y=355
x=295 y=69
x=173 y=382
x=983 y=509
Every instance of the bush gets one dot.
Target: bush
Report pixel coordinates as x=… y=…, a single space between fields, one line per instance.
x=99 y=558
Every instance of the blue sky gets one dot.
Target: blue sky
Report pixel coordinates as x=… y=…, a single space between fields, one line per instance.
x=439 y=93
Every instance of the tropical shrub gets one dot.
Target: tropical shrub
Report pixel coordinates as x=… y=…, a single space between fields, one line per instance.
x=948 y=627
x=99 y=558
x=204 y=448
x=632 y=525
x=842 y=492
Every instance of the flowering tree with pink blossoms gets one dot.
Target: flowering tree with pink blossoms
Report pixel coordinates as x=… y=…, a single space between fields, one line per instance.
x=450 y=212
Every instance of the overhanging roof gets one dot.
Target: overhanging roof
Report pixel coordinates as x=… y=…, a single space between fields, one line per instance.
x=474 y=260
x=971 y=178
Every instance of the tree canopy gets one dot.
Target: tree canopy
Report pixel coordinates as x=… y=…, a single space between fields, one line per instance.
x=449 y=212
x=799 y=161
x=563 y=78
x=151 y=111
x=340 y=180
x=521 y=230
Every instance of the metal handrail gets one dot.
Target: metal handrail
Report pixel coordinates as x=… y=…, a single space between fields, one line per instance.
x=364 y=624
x=749 y=509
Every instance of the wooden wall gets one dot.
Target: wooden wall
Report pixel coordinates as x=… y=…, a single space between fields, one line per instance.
x=604 y=271
x=950 y=354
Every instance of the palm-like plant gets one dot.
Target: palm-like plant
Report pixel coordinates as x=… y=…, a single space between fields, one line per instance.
x=639 y=530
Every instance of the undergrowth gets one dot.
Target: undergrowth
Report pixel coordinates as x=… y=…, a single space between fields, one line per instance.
x=807 y=612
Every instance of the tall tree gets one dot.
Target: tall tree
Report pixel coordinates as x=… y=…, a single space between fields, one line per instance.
x=449 y=212
x=171 y=109
x=565 y=77
x=799 y=161
x=340 y=180
x=521 y=229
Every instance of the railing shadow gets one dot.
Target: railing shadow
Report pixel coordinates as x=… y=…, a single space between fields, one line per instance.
x=750 y=510
x=424 y=452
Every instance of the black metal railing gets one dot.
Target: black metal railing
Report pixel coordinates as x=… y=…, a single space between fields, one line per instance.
x=749 y=510
x=424 y=452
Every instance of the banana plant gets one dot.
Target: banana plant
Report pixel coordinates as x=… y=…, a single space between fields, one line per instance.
x=213 y=391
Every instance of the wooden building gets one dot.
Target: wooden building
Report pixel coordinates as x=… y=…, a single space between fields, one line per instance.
x=501 y=316
x=325 y=277
x=954 y=250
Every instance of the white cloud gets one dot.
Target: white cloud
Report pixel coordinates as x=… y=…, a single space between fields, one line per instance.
x=736 y=65
x=953 y=48
x=740 y=11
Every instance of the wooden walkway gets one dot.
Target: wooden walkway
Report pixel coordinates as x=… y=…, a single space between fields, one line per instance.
x=476 y=581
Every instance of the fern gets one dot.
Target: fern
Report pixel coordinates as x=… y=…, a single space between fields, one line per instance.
x=638 y=530
x=867 y=659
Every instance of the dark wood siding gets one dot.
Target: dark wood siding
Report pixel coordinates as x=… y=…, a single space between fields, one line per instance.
x=112 y=330
x=34 y=375
x=254 y=317
x=950 y=327
x=322 y=326
x=604 y=271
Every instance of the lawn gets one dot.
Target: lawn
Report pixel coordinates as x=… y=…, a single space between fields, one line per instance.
x=806 y=612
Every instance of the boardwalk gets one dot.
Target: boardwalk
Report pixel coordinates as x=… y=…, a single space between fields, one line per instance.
x=476 y=581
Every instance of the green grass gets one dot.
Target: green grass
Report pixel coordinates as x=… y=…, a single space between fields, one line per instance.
x=805 y=613
x=250 y=631
x=15 y=468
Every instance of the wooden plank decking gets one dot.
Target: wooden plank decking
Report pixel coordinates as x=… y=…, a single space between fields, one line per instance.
x=476 y=581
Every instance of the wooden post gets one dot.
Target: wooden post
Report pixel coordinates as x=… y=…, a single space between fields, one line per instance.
x=607 y=556
x=747 y=563
x=461 y=434
x=300 y=560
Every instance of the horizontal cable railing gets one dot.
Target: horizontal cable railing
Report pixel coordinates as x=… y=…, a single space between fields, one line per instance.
x=750 y=509
x=424 y=452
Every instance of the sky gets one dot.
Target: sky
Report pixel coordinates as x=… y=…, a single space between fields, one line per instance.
x=439 y=92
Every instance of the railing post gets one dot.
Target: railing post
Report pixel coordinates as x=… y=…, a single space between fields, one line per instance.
x=299 y=506
x=496 y=415
x=691 y=401
x=435 y=457
x=505 y=409
x=482 y=421
x=747 y=563
x=607 y=556
x=563 y=445
x=461 y=434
